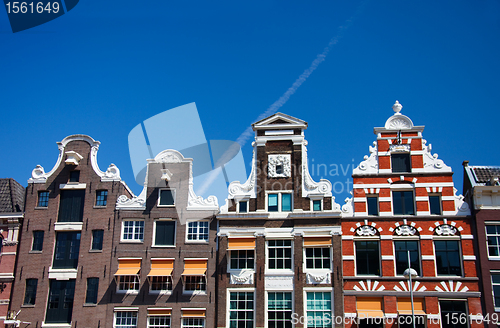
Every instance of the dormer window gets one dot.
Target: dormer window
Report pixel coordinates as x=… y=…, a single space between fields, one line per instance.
x=401 y=163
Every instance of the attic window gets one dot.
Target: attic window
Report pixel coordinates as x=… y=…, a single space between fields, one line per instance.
x=74 y=176
x=401 y=163
x=279 y=169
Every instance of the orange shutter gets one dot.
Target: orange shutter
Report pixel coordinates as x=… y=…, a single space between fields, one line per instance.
x=369 y=308
x=159 y=311
x=404 y=306
x=161 y=267
x=194 y=313
x=195 y=267
x=318 y=241
x=240 y=243
x=128 y=267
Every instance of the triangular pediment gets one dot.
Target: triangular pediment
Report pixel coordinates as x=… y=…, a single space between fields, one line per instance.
x=280 y=121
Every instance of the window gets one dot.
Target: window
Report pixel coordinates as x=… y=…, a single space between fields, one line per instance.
x=279 y=309
x=453 y=309
x=74 y=176
x=372 y=205
x=493 y=240
x=125 y=319
x=367 y=257
x=401 y=248
x=97 y=238
x=67 y=250
x=402 y=202
x=317 y=204
x=43 y=199
x=92 y=288
x=435 y=204
x=30 y=292
x=318 y=258
x=197 y=231
x=162 y=321
x=60 y=302
x=243 y=207
x=167 y=197
x=164 y=233
x=495 y=282
x=71 y=206
x=319 y=309
x=133 y=230
x=195 y=284
x=448 y=257
x=128 y=283
x=401 y=163
x=193 y=322
x=161 y=283
x=280 y=202
x=37 y=241
x=241 y=309
x=241 y=259
x=280 y=254
x=101 y=198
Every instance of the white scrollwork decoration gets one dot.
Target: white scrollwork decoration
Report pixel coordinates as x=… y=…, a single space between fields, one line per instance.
x=279 y=160
x=445 y=230
x=405 y=230
x=366 y=231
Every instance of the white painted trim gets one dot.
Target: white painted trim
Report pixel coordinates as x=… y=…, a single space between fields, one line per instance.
x=278 y=132
x=62 y=274
x=72 y=185
x=386 y=237
x=469 y=257
x=348 y=257
x=426 y=237
x=387 y=257
x=467 y=237
x=428 y=257
x=347 y=237
x=68 y=226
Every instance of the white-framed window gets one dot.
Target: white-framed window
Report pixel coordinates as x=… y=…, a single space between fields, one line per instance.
x=495 y=284
x=279 y=254
x=161 y=284
x=195 y=284
x=372 y=205
x=125 y=319
x=367 y=256
x=448 y=257
x=279 y=309
x=132 y=230
x=317 y=257
x=242 y=206
x=493 y=240
x=166 y=197
x=159 y=321
x=318 y=306
x=317 y=205
x=197 y=231
x=164 y=232
x=193 y=322
x=242 y=259
x=279 y=201
x=403 y=202
x=128 y=284
x=241 y=308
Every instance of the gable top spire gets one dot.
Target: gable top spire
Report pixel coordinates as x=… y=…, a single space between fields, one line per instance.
x=279 y=121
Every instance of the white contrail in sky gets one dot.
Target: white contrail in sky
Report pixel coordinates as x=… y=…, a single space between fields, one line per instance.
x=248 y=133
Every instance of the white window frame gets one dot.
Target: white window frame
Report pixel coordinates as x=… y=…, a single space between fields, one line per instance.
x=173 y=196
x=311 y=205
x=492 y=272
x=321 y=290
x=229 y=269
x=117 y=310
x=266 y=304
x=378 y=204
x=228 y=300
x=199 y=241
x=160 y=291
x=395 y=189
x=491 y=223
x=198 y=318
x=194 y=292
x=407 y=238
x=440 y=203
x=375 y=238
x=243 y=200
x=154 y=233
x=279 y=193
x=128 y=291
x=280 y=271
x=460 y=255
x=304 y=264
x=123 y=240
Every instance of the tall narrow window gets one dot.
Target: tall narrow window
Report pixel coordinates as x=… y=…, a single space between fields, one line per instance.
x=319 y=309
x=435 y=205
x=367 y=257
x=97 y=239
x=241 y=309
x=37 y=241
x=448 y=257
x=30 y=292
x=402 y=202
x=493 y=240
x=372 y=205
x=402 y=247
x=401 y=163
x=60 y=302
x=451 y=310
x=43 y=199
x=67 y=250
x=164 y=233
x=167 y=197
x=495 y=282
x=272 y=202
x=279 y=309
x=71 y=205
x=101 y=198
x=286 y=202
x=280 y=254
x=92 y=290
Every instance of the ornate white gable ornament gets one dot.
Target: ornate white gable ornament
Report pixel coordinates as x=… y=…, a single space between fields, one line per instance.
x=279 y=166
x=405 y=230
x=398 y=121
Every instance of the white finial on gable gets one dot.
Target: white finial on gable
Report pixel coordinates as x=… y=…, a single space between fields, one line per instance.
x=397 y=107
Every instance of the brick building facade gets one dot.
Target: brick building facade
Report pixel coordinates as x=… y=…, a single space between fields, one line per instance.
x=481 y=190
x=11 y=216
x=404 y=212
x=63 y=267
x=164 y=251
x=279 y=257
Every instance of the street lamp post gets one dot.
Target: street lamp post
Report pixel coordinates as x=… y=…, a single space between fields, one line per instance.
x=409 y=273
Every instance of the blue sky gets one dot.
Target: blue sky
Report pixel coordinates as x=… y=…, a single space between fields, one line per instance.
x=103 y=68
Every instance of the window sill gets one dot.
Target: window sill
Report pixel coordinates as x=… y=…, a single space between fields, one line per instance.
x=28 y=306
x=203 y=242
x=89 y=305
x=194 y=292
x=98 y=206
x=35 y=252
x=160 y=292
x=128 y=292
x=56 y=325
x=131 y=241
x=279 y=272
x=162 y=246
x=41 y=208
x=95 y=251
x=172 y=206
